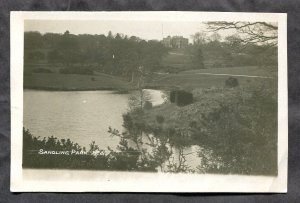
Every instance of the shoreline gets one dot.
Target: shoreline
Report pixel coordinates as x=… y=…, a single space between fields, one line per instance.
x=121 y=90
x=78 y=89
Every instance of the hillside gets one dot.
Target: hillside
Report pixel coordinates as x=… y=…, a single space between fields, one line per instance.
x=178 y=59
x=213 y=77
x=56 y=81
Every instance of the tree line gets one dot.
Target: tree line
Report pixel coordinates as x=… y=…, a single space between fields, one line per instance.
x=122 y=55
x=233 y=50
x=113 y=54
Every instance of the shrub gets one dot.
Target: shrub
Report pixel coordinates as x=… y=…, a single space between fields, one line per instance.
x=231 y=82
x=126 y=158
x=160 y=119
x=148 y=105
x=181 y=98
x=240 y=136
x=35 y=56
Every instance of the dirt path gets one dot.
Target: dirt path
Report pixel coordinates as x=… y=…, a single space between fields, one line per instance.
x=223 y=74
x=165 y=75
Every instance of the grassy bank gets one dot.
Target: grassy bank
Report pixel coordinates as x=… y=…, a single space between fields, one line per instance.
x=246 y=70
x=191 y=79
x=72 y=82
x=213 y=77
x=236 y=127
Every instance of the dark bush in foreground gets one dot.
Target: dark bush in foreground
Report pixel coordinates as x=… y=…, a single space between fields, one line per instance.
x=73 y=156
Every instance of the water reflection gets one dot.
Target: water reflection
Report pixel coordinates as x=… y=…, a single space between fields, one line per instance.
x=84 y=116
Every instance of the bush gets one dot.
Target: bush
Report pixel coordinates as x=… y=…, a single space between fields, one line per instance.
x=160 y=119
x=231 y=82
x=240 y=136
x=181 y=98
x=35 y=56
x=148 y=105
x=41 y=153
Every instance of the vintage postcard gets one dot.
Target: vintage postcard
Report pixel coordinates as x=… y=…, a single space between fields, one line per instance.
x=148 y=102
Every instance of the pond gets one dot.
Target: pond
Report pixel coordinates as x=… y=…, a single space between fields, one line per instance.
x=82 y=116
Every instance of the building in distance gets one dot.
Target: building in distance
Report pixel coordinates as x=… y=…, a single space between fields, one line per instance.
x=175 y=42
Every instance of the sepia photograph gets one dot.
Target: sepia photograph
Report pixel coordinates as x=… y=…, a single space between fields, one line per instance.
x=153 y=95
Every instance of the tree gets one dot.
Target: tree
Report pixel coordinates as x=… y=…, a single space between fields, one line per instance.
x=215 y=37
x=234 y=42
x=199 y=38
x=241 y=134
x=69 y=48
x=198 y=60
x=251 y=32
x=110 y=35
x=141 y=97
x=33 y=40
x=55 y=56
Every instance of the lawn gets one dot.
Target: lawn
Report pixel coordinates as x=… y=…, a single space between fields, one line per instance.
x=56 y=81
x=246 y=70
x=192 y=79
x=177 y=59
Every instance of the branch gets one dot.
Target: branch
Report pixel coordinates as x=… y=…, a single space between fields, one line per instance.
x=253 y=32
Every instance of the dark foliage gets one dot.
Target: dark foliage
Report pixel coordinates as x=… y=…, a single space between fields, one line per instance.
x=160 y=119
x=147 y=105
x=32 y=159
x=241 y=135
x=231 y=82
x=198 y=60
x=112 y=54
x=181 y=98
x=125 y=158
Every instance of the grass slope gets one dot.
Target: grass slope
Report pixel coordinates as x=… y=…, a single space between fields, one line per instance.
x=191 y=79
x=247 y=70
x=205 y=100
x=56 y=81
x=177 y=59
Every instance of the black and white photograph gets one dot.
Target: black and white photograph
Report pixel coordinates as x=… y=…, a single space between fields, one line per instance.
x=149 y=97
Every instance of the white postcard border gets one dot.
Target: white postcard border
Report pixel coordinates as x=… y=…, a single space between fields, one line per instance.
x=104 y=181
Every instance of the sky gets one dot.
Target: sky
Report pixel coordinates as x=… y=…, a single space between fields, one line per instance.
x=143 y=29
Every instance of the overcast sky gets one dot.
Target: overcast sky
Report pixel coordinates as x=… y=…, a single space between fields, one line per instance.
x=143 y=29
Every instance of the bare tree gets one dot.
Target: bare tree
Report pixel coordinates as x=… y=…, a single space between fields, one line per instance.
x=199 y=38
x=215 y=37
x=251 y=32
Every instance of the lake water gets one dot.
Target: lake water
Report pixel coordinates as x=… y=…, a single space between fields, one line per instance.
x=81 y=116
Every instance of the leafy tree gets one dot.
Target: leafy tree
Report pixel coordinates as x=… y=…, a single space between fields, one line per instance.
x=33 y=40
x=240 y=136
x=55 y=56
